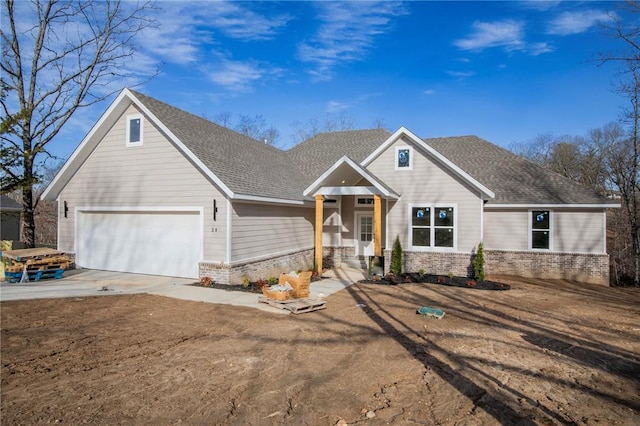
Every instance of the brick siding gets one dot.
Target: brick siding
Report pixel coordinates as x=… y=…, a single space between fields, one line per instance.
x=590 y=268
x=233 y=274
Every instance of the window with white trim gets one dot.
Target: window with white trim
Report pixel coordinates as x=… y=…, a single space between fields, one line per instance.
x=540 y=229
x=432 y=227
x=134 y=130
x=404 y=158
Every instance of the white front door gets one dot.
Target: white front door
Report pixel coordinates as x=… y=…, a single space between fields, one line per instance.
x=364 y=234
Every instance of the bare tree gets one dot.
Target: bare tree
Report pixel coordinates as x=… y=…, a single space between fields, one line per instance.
x=57 y=57
x=574 y=157
x=256 y=127
x=313 y=126
x=623 y=155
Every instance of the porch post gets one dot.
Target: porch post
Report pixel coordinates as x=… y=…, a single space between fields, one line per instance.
x=377 y=225
x=319 y=222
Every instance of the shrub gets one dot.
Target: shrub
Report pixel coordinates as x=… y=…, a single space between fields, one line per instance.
x=478 y=263
x=396 y=257
x=206 y=282
x=245 y=281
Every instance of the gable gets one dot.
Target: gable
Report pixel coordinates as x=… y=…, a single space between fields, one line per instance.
x=153 y=173
x=403 y=137
x=241 y=167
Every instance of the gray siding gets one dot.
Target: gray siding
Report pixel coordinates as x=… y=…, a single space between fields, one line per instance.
x=427 y=183
x=261 y=230
x=155 y=175
x=506 y=229
x=574 y=231
x=579 y=231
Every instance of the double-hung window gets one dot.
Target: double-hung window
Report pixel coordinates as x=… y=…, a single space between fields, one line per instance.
x=432 y=226
x=540 y=229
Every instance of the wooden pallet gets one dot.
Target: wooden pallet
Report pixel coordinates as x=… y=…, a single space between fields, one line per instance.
x=295 y=306
x=24 y=255
x=14 y=277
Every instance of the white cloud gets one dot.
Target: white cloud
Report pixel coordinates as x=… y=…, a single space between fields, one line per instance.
x=461 y=74
x=576 y=22
x=536 y=49
x=239 y=22
x=335 y=106
x=347 y=31
x=429 y=92
x=236 y=76
x=507 y=34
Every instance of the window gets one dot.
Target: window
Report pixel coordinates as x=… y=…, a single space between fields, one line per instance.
x=432 y=226
x=404 y=158
x=366 y=228
x=364 y=201
x=134 y=130
x=540 y=229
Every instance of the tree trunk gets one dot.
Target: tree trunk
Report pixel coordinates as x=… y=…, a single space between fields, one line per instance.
x=28 y=234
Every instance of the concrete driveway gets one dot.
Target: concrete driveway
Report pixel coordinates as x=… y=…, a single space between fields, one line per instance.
x=89 y=283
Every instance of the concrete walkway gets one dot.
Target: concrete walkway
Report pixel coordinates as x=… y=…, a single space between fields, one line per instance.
x=88 y=283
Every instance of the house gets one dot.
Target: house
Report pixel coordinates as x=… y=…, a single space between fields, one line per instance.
x=153 y=189
x=9 y=219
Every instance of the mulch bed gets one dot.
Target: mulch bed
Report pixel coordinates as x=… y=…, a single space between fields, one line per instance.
x=251 y=287
x=454 y=281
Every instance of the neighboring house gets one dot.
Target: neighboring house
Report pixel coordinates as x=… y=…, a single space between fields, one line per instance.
x=9 y=219
x=153 y=189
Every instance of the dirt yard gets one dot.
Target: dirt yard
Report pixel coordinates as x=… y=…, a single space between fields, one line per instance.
x=540 y=353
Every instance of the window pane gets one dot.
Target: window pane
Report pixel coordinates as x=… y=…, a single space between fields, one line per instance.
x=540 y=219
x=444 y=237
x=134 y=130
x=421 y=216
x=443 y=216
x=403 y=158
x=421 y=237
x=540 y=239
x=366 y=228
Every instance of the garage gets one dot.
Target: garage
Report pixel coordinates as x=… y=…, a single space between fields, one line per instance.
x=146 y=242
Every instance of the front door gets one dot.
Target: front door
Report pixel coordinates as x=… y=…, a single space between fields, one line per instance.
x=364 y=231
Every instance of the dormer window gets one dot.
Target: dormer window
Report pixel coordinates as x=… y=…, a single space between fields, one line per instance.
x=134 y=130
x=404 y=158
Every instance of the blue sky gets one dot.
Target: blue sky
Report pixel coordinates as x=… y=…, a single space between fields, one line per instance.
x=505 y=71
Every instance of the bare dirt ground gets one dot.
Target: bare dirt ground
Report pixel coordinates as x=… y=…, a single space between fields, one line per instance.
x=549 y=352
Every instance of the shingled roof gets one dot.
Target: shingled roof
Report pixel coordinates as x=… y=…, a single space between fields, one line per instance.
x=315 y=155
x=249 y=167
x=513 y=179
x=245 y=165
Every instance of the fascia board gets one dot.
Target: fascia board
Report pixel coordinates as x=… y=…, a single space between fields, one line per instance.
x=441 y=158
x=268 y=200
x=80 y=154
x=313 y=188
x=318 y=182
x=228 y=192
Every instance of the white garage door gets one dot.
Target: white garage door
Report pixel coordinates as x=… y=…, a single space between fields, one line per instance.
x=156 y=243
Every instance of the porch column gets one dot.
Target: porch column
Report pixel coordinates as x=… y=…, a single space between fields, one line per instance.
x=377 y=225
x=319 y=222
